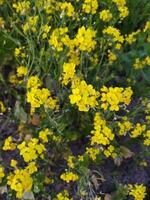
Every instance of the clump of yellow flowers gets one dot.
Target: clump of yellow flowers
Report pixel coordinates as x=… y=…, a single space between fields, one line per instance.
x=21 y=7
x=83 y=95
x=112 y=97
x=67 y=8
x=101 y=134
x=122 y=8
x=69 y=176
x=64 y=195
x=84 y=39
x=38 y=97
x=141 y=63
x=138 y=130
x=105 y=15
x=20 y=181
x=31 y=150
x=9 y=144
x=90 y=6
x=21 y=71
x=68 y=72
x=43 y=135
x=137 y=191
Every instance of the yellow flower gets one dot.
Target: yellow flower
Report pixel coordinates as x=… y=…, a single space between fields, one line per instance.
x=63 y=196
x=13 y=163
x=84 y=96
x=57 y=38
x=2 y=107
x=21 y=71
x=123 y=9
x=22 y=7
x=31 y=150
x=111 y=57
x=69 y=176
x=70 y=161
x=20 y=181
x=31 y=24
x=124 y=127
x=1 y=173
x=105 y=15
x=110 y=151
x=132 y=37
x=112 y=97
x=31 y=167
x=43 y=135
x=92 y=152
x=90 y=6
x=84 y=39
x=67 y=8
x=138 y=130
x=68 y=72
x=147 y=138
x=45 y=30
x=137 y=191
x=9 y=144
x=101 y=134
x=114 y=33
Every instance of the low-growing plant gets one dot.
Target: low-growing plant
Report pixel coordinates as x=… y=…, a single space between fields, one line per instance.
x=74 y=99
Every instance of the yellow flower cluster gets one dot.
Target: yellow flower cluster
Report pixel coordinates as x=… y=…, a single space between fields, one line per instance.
x=114 y=33
x=1 y=173
x=138 y=130
x=111 y=57
x=13 y=163
x=31 y=150
x=123 y=9
x=92 y=152
x=21 y=71
x=139 y=64
x=38 y=97
x=2 y=107
x=147 y=138
x=63 y=196
x=69 y=176
x=31 y=24
x=110 y=151
x=112 y=97
x=105 y=15
x=57 y=38
x=137 y=191
x=19 y=52
x=22 y=7
x=70 y=162
x=20 y=181
x=84 y=39
x=45 y=30
x=48 y=5
x=84 y=96
x=68 y=72
x=124 y=127
x=101 y=134
x=43 y=135
x=90 y=6
x=67 y=8
x=9 y=144
x=132 y=37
